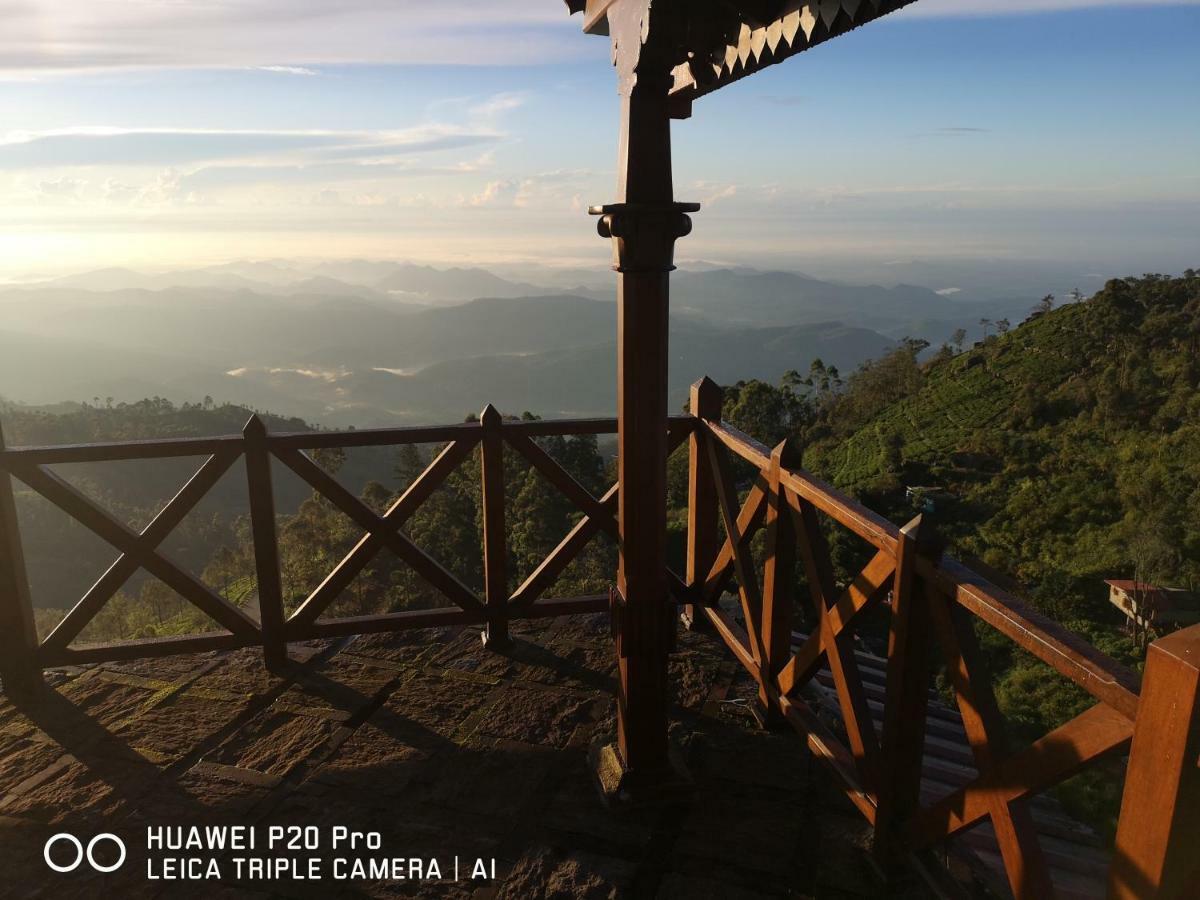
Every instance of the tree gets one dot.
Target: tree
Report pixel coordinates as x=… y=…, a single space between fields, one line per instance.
x=1045 y=304
x=409 y=465
x=957 y=339
x=1003 y=325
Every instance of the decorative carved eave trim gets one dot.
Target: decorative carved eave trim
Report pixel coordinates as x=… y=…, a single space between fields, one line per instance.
x=728 y=39
x=799 y=26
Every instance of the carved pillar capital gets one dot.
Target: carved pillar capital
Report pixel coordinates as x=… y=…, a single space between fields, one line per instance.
x=644 y=234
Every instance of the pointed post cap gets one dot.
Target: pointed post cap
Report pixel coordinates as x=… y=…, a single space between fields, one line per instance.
x=255 y=427
x=922 y=530
x=707 y=397
x=490 y=417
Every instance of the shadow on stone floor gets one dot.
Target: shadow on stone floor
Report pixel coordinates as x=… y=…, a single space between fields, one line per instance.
x=444 y=748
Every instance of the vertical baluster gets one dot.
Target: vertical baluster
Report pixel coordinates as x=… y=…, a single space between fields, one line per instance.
x=266 y=546
x=1158 y=834
x=495 y=536
x=779 y=571
x=907 y=697
x=704 y=542
x=19 y=668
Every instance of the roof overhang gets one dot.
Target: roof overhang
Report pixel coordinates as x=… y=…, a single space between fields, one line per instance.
x=716 y=42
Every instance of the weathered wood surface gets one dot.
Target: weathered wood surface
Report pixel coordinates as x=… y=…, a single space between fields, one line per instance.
x=495 y=535
x=704 y=539
x=1159 y=833
x=18 y=635
x=266 y=542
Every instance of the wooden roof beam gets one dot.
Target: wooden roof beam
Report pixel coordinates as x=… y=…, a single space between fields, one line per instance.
x=712 y=43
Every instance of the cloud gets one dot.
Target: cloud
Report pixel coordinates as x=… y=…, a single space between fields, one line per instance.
x=288 y=70
x=61 y=188
x=165 y=188
x=498 y=104
x=498 y=193
x=715 y=193
x=93 y=146
x=64 y=36
x=68 y=35
x=118 y=191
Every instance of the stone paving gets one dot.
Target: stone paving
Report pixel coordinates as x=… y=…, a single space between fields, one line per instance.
x=443 y=747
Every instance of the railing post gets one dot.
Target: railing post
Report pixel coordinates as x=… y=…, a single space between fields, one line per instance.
x=495 y=533
x=779 y=571
x=19 y=668
x=704 y=542
x=907 y=693
x=1157 y=851
x=266 y=545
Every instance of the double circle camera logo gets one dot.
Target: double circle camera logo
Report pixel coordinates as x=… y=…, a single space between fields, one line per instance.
x=81 y=853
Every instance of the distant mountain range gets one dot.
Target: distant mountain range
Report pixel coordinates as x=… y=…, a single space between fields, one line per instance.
x=403 y=282
x=371 y=342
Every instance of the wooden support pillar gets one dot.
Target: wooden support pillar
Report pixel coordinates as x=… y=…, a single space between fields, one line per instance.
x=704 y=539
x=1158 y=835
x=643 y=226
x=266 y=544
x=19 y=668
x=495 y=551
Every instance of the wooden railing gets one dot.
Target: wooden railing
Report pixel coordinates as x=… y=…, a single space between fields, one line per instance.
x=23 y=656
x=932 y=602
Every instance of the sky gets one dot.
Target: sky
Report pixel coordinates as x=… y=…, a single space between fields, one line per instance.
x=159 y=133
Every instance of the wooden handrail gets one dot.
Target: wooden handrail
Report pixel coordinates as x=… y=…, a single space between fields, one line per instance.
x=1099 y=675
x=114 y=451
x=1068 y=654
x=140 y=550
x=844 y=509
x=933 y=595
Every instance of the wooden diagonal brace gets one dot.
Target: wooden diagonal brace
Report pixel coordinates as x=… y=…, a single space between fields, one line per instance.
x=1092 y=735
x=553 y=471
x=560 y=557
x=1016 y=835
x=743 y=565
x=838 y=646
x=130 y=543
x=749 y=520
x=151 y=537
x=381 y=531
x=866 y=590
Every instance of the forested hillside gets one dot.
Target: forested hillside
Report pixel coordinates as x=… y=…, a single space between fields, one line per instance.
x=1067 y=450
